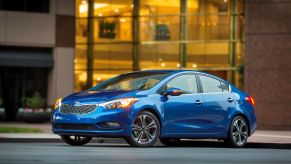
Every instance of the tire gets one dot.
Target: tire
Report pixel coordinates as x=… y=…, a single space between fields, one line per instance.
x=170 y=141
x=76 y=140
x=238 y=133
x=145 y=130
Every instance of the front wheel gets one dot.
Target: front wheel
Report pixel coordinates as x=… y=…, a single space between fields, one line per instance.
x=238 y=132
x=145 y=130
x=76 y=140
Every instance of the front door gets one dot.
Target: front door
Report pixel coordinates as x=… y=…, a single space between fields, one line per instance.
x=181 y=112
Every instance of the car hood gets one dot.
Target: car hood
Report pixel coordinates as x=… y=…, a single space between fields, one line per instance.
x=93 y=97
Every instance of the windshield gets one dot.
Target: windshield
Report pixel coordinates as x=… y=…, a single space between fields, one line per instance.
x=132 y=81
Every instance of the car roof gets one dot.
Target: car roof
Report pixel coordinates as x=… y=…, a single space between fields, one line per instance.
x=169 y=71
x=183 y=71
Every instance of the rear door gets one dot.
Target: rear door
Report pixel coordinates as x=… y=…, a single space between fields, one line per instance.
x=217 y=101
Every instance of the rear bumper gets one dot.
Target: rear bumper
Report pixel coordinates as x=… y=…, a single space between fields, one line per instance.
x=252 y=122
x=253 y=126
x=90 y=124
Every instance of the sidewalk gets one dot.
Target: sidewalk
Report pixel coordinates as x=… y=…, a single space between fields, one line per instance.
x=260 y=136
x=44 y=127
x=267 y=136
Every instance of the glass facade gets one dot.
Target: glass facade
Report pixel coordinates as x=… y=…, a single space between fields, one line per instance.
x=117 y=36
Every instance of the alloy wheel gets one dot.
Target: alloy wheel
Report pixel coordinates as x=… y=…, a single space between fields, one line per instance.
x=240 y=131
x=144 y=129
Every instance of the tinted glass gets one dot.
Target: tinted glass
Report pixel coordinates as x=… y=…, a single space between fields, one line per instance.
x=37 y=5
x=187 y=83
x=210 y=84
x=132 y=81
x=13 y=5
x=224 y=87
x=41 y=6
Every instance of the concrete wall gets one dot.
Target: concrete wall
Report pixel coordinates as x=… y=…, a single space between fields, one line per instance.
x=61 y=77
x=27 y=29
x=2 y=27
x=268 y=61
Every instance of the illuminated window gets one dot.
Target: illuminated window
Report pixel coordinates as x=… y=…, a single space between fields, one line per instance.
x=112 y=56
x=112 y=20
x=159 y=56
x=207 y=34
x=81 y=8
x=112 y=29
x=81 y=30
x=159 y=7
x=207 y=44
x=159 y=25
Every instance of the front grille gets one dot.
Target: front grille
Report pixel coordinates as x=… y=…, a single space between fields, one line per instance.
x=69 y=109
x=76 y=127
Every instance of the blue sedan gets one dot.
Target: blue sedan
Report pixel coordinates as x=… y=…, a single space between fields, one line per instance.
x=166 y=105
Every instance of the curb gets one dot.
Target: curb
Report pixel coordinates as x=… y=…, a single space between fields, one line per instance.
x=30 y=140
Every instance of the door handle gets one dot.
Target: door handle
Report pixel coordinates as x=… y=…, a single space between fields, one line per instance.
x=198 y=102
x=230 y=99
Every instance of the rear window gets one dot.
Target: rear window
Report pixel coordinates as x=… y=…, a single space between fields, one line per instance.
x=210 y=84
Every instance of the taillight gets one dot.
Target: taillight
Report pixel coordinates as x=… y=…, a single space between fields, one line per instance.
x=250 y=100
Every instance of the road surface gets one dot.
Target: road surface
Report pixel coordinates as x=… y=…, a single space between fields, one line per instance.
x=191 y=152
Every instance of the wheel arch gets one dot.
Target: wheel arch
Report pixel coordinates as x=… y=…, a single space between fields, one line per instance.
x=154 y=112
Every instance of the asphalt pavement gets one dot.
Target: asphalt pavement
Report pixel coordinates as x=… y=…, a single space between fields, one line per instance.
x=191 y=152
x=22 y=148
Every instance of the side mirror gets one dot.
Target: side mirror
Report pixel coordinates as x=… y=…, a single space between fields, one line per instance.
x=173 y=92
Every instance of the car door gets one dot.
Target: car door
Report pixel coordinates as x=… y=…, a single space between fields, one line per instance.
x=180 y=112
x=217 y=101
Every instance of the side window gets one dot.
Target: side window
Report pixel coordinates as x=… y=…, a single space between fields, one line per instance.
x=210 y=84
x=187 y=83
x=224 y=87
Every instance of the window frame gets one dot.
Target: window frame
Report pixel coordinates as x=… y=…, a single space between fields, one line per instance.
x=199 y=89
x=216 y=78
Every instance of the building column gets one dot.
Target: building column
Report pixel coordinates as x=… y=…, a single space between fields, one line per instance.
x=90 y=43
x=61 y=76
x=267 y=61
x=183 y=33
x=135 y=36
x=232 y=39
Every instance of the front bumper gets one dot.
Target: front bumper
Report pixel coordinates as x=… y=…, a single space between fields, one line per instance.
x=75 y=124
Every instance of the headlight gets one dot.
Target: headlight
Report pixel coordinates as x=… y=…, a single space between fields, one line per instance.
x=58 y=103
x=119 y=103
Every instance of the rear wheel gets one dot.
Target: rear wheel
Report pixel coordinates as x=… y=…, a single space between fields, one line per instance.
x=238 y=132
x=145 y=130
x=76 y=140
x=170 y=141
